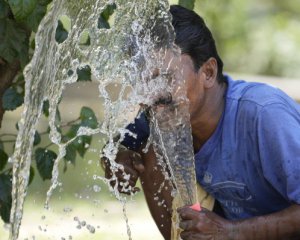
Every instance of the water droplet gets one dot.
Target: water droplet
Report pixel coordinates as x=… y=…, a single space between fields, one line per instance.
x=90 y=228
x=96 y=188
x=67 y=209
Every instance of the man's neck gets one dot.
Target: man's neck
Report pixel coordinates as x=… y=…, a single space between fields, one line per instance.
x=204 y=125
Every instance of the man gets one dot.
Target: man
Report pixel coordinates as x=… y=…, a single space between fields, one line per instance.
x=247 y=149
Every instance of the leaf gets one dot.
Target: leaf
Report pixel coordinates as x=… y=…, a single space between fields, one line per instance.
x=31 y=175
x=61 y=33
x=82 y=144
x=3 y=159
x=22 y=8
x=189 y=4
x=108 y=11
x=88 y=118
x=12 y=99
x=102 y=23
x=37 y=138
x=44 y=162
x=1 y=145
x=70 y=153
x=84 y=73
x=72 y=131
x=4 y=9
x=33 y=20
x=58 y=120
x=44 y=2
x=5 y=196
x=104 y=16
x=46 y=108
x=14 y=41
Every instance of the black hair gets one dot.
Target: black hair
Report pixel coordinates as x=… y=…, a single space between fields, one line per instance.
x=194 y=38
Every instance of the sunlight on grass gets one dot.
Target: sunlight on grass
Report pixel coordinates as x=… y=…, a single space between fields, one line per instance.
x=106 y=217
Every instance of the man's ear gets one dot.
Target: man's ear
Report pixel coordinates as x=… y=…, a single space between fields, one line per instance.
x=209 y=69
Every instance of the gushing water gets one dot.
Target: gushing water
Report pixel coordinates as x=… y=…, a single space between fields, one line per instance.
x=127 y=54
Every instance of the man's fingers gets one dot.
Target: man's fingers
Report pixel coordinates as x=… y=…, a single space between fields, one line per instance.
x=187 y=225
x=129 y=169
x=139 y=167
x=128 y=173
x=138 y=163
x=128 y=190
x=190 y=235
x=187 y=213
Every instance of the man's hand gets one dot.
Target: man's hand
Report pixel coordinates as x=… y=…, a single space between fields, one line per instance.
x=128 y=174
x=202 y=225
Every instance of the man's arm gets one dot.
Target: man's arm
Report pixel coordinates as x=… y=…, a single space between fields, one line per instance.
x=207 y=225
x=157 y=192
x=280 y=225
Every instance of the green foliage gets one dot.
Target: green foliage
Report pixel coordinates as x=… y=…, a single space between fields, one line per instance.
x=44 y=162
x=5 y=196
x=88 y=118
x=12 y=99
x=13 y=41
x=255 y=37
x=33 y=20
x=22 y=8
x=189 y=4
x=46 y=108
x=29 y=12
x=4 y=9
x=70 y=153
x=17 y=19
x=3 y=159
x=61 y=33
x=37 y=138
x=31 y=175
x=81 y=143
x=104 y=16
x=84 y=73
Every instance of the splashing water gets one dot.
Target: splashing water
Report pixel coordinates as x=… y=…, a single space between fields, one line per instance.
x=126 y=55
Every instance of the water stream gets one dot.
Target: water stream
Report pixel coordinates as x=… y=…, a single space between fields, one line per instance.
x=126 y=54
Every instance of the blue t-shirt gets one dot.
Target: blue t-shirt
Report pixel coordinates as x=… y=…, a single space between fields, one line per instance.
x=251 y=163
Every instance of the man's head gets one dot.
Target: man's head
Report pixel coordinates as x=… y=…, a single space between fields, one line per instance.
x=194 y=38
x=198 y=66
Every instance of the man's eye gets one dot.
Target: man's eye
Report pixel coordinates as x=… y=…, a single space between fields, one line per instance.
x=164 y=100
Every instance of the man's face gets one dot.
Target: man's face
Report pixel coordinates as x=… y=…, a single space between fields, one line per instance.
x=184 y=81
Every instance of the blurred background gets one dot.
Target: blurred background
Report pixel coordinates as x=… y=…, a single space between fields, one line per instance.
x=256 y=37
x=257 y=40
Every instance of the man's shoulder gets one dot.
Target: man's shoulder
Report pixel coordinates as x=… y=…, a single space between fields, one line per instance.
x=256 y=93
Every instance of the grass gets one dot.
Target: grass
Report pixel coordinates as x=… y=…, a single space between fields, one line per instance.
x=105 y=216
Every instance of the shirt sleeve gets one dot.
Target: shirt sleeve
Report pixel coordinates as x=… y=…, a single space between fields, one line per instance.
x=279 y=148
x=140 y=128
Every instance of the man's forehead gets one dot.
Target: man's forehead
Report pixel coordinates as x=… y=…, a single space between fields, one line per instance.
x=171 y=60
